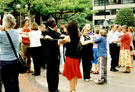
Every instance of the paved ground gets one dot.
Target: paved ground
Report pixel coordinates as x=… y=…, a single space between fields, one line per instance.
x=117 y=82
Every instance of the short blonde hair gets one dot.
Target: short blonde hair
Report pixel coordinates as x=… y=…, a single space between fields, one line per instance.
x=125 y=27
x=84 y=28
x=96 y=30
x=103 y=33
x=9 y=21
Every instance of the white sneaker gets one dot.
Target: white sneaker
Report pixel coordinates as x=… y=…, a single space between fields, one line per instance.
x=87 y=80
x=90 y=79
x=99 y=82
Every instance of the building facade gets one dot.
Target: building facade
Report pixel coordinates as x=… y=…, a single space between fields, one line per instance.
x=107 y=9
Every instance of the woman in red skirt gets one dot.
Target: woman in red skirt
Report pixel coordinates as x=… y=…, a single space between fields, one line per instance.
x=72 y=66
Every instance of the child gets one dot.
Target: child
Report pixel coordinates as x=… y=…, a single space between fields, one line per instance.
x=95 y=48
x=102 y=56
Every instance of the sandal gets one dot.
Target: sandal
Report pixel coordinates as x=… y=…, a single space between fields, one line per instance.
x=73 y=90
x=29 y=71
x=96 y=72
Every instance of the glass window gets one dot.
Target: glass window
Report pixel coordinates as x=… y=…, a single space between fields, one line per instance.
x=95 y=2
x=100 y=12
x=99 y=22
x=131 y=1
x=133 y=9
x=99 y=2
x=112 y=21
x=125 y=1
x=113 y=11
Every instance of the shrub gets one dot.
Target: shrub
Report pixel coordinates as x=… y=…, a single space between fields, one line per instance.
x=125 y=17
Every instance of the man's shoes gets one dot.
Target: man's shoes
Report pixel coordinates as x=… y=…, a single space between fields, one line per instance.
x=114 y=70
x=55 y=91
x=105 y=80
x=34 y=74
x=126 y=72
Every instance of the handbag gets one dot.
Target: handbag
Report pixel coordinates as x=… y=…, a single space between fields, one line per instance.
x=21 y=65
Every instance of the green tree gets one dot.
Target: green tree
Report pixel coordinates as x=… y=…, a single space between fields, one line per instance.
x=78 y=18
x=125 y=17
x=4 y=5
x=60 y=9
x=10 y=6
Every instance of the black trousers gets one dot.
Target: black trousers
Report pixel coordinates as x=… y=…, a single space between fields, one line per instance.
x=36 y=56
x=86 y=63
x=53 y=74
x=9 y=76
x=44 y=62
x=114 y=52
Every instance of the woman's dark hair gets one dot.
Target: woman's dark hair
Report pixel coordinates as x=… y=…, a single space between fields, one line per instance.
x=23 y=22
x=73 y=32
x=51 y=22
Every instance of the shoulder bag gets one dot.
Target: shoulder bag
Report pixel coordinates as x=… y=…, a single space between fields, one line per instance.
x=21 y=65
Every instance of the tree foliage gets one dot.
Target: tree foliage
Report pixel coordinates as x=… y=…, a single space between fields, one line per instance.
x=125 y=17
x=10 y=6
x=50 y=7
x=59 y=9
x=4 y=4
x=78 y=18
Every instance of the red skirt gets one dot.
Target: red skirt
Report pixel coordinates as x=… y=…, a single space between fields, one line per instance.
x=71 y=68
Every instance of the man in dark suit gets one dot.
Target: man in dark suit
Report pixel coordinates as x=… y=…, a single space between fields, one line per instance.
x=51 y=45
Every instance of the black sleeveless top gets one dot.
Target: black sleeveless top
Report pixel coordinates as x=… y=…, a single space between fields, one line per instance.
x=71 y=49
x=87 y=50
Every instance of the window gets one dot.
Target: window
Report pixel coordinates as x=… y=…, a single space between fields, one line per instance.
x=131 y=1
x=125 y=1
x=133 y=9
x=99 y=22
x=99 y=2
x=100 y=12
x=113 y=11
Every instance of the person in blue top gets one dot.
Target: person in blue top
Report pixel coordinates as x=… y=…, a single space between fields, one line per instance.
x=8 y=61
x=102 y=56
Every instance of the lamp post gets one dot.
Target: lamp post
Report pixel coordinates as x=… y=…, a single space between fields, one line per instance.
x=105 y=8
x=28 y=9
x=18 y=6
x=105 y=24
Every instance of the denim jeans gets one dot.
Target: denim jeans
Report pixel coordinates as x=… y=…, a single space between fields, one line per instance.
x=9 y=76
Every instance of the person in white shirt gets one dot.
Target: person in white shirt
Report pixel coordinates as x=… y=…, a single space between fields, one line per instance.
x=114 y=48
x=35 y=46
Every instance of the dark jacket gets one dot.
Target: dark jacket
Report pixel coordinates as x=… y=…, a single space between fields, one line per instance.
x=51 y=45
